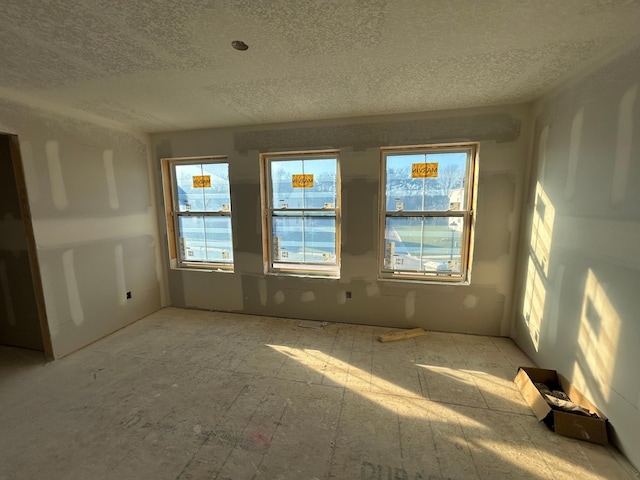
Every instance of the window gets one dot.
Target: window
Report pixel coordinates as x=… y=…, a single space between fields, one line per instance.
x=198 y=206
x=427 y=200
x=301 y=204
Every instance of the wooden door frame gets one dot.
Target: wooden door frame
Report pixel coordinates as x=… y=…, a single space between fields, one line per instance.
x=32 y=251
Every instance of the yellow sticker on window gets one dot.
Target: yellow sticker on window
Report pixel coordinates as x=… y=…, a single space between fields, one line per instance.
x=302 y=180
x=424 y=170
x=201 y=181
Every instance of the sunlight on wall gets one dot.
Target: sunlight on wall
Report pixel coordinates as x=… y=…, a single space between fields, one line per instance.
x=534 y=300
x=538 y=264
x=597 y=338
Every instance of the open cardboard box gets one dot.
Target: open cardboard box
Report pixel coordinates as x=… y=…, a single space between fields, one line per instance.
x=591 y=429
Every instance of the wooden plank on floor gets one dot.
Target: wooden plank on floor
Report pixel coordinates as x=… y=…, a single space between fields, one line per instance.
x=401 y=335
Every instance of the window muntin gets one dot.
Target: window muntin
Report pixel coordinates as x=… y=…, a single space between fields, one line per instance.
x=426 y=224
x=199 y=213
x=302 y=213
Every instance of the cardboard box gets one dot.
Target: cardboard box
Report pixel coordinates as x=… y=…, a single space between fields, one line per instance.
x=591 y=429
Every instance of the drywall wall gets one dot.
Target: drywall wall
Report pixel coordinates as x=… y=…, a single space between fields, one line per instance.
x=579 y=303
x=94 y=222
x=481 y=307
x=19 y=318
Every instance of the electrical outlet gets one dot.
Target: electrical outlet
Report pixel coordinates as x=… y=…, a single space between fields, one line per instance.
x=348 y=294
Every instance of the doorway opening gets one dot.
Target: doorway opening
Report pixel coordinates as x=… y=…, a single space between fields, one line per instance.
x=23 y=320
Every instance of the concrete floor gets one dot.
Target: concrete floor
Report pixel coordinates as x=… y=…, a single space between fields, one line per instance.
x=186 y=394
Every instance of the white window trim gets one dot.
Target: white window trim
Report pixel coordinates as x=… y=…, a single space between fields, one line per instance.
x=172 y=214
x=272 y=267
x=471 y=176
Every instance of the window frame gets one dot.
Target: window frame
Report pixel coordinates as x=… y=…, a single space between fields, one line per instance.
x=173 y=214
x=272 y=266
x=468 y=214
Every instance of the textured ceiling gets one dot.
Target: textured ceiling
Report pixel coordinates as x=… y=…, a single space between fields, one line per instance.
x=168 y=64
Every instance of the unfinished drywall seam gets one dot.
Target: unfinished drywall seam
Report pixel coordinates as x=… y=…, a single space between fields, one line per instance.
x=262 y=291
x=553 y=312
x=73 y=294
x=499 y=127
x=59 y=109
x=624 y=142
x=121 y=286
x=410 y=305
x=30 y=174
x=54 y=232
x=50 y=300
x=112 y=189
x=156 y=197
x=58 y=191
x=510 y=317
x=574 y=154
x=542 y=152
x=616 y=49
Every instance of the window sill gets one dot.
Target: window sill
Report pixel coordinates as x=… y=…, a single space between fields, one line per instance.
x=425 y=281
x=321 y=276
x=206 y=269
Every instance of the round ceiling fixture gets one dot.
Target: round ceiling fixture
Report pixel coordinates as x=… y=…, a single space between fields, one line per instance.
x=239 y=45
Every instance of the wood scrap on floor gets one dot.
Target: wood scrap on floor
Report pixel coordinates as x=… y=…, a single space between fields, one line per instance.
x=312 y=324
x=401 y=335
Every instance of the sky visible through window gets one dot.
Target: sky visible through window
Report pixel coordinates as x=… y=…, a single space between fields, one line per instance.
x=303 y=221
x=424 y=242
x=203 y=237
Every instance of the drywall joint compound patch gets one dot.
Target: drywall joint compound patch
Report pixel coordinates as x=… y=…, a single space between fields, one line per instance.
x=624 y=143
x=30 y=173
x=262 y=291
x=341 y=297
x=121 y=285
x=73 y=294
x=410 y=304
x=470 y=301
x=112 y=189
x=47 y=289
x=278 y=297
x=574 y=154
x=56 y=179
x=307 y=296
x=542 y=152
